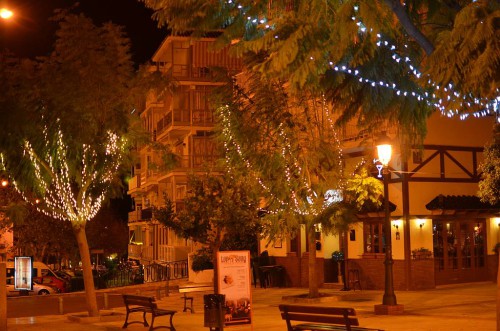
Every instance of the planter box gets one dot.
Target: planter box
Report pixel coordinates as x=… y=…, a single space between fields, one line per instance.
x=204 y=276
x=421 y=255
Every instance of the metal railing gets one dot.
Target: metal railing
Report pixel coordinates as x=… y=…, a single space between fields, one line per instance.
x=162 y=271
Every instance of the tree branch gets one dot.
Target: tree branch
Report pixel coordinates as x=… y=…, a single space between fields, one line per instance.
x=399 y=10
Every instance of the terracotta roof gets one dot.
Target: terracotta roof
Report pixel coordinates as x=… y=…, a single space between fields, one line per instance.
x=459 y=202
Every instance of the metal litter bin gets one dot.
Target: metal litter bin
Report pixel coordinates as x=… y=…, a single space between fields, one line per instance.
x=214 y=305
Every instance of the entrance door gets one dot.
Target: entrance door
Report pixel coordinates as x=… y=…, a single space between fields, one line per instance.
x=459 y=251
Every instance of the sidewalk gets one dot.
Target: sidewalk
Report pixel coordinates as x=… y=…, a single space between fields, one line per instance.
x=457 y=307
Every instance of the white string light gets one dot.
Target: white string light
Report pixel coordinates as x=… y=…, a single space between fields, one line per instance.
x=487 y=106
x=53 y=176
x=300 y=207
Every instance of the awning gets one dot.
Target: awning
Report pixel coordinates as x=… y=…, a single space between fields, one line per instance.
x=452 y=204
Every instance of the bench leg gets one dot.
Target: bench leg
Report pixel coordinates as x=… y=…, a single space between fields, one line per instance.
x=171 y=327
x=126 y=322
x=144 y=318
x=145 y=322
x=186 y=299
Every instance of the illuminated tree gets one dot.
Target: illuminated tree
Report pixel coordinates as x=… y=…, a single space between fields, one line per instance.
x=71 y=186
x=288 y=146
x=62 y=111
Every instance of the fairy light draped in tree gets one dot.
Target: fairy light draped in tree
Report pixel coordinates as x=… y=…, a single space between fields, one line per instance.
x=292 y=166
x=486 y=107
x=78 y=196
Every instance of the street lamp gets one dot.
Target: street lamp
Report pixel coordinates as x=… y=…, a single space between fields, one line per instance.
x=384 y=150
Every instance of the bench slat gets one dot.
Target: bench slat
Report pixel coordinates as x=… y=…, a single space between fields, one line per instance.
x=321 y=327
x=319 y=310
x=330 y=319
x=195 y=289
x=321 y=318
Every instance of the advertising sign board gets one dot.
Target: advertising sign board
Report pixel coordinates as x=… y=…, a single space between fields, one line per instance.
x=235 y=283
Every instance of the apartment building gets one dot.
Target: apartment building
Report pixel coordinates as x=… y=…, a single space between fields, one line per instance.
x=181 y=121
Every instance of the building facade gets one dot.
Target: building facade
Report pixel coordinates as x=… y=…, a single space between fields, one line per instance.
x=441 y=233
x=181 y=121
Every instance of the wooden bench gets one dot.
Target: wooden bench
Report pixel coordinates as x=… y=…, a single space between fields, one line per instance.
x=321 y=318
x=190 y=289
x=144 y=305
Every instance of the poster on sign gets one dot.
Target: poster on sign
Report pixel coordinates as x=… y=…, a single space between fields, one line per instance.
x=234 y=283
x=23 y=275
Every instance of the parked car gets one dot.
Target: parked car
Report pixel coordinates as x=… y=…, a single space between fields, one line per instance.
x=38 y=289
x=42 y=274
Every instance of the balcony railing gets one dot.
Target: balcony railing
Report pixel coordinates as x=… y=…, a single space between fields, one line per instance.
x=194 y=161
x=185 y=117
x=134 y=183
x=134 y=251
x=149 y=177
x=140 y=215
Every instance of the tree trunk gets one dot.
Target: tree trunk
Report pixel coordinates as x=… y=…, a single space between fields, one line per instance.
x=313 y=279
x=88 y=278
x=215 y=249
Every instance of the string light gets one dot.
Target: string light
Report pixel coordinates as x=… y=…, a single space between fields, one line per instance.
x=292 y=167
x=57 y=182
x=486 y=107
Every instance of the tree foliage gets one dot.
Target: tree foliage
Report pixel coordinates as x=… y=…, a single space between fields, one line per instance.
x=217 y=208
x=489 y=186
x=453 y=44
x=68 y=113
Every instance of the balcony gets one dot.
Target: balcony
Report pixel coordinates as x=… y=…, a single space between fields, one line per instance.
x=134 y=184
x=140 y=215
x=135 y=251
x=187 y=163
x=182 y=118
x=149 y=178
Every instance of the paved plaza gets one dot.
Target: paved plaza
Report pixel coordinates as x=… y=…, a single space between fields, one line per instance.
x=469 y=306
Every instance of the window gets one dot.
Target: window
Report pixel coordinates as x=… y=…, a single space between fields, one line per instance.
x=374 y=237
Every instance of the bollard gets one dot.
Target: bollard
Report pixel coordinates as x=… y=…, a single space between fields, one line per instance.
x=61 y=306
x=167 y=290
x=106 y=301
x=158 y=293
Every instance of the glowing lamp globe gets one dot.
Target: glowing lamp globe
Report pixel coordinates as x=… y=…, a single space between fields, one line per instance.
x=384 y=150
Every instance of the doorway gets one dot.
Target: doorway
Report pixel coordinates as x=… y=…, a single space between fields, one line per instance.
x=459 y=251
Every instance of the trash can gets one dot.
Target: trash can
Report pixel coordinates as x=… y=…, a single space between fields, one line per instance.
x=215 y=305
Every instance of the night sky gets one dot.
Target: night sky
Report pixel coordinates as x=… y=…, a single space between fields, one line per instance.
x=31 y=33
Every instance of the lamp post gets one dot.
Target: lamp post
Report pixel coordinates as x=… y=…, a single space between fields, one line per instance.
x=3 y=278
x=384 y=150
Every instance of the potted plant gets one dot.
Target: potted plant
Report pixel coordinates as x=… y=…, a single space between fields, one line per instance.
x=202 y=267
